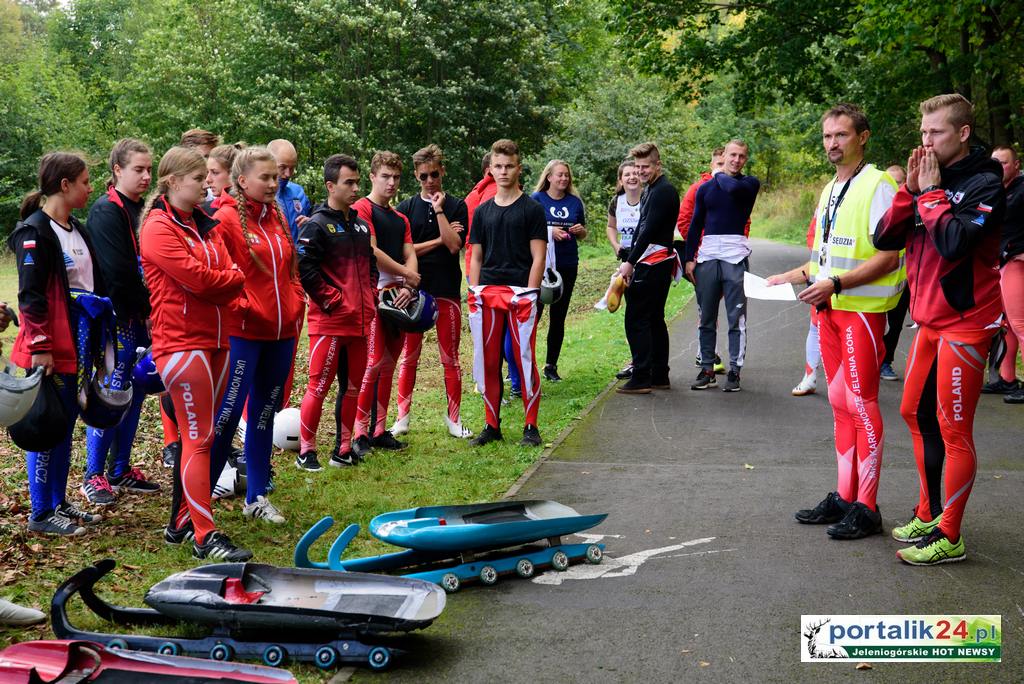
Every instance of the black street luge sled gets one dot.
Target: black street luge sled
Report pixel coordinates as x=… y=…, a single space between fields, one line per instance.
x=256 y=611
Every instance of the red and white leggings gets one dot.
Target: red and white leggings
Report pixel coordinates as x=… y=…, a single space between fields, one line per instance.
x=945 y=372
x=195 y=381
x=851 y=352
x=330 y=356
x=449 y=333
x=382 y=349
x=491 y=308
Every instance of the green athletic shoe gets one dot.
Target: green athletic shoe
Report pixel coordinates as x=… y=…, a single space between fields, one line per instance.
x=915 y=530
x=719 y=367
x=934 y=549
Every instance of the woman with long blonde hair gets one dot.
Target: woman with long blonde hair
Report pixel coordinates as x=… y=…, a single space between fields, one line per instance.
x=192 y=282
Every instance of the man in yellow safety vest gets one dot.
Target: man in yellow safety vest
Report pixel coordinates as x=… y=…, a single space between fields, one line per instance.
x=853 y=285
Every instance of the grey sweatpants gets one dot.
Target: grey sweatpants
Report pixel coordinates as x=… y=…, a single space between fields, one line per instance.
x=715 y=279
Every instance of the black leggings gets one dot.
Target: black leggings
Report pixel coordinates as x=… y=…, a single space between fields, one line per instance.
x=559 y=310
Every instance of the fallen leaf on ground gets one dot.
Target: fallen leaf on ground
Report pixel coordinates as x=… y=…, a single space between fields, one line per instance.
x=864 y=666
x=35 y=548
x=748 y=466
x=704 y=663
x=997 y=477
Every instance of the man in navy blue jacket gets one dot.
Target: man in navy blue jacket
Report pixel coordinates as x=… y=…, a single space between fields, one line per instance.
x=717 y=252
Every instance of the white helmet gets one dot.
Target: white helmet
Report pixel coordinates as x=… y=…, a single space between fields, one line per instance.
x=550 y=286
x=286 y=429
x=17 y=394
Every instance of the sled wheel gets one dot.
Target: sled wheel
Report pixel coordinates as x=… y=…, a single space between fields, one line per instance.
x=524 y=568
x=169 y=648
x=274 y=655
x=221 y=652
x=450 y=582
x=117 y=644
x=325 y=657
x=379 y=657
x=559 y=561
x=488 y=575
x=594 y=554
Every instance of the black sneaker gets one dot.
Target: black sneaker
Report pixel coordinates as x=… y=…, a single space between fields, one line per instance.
x=487 y=435
x=97 y=491
x=697 y=363
x=386 y=440
x=515 y=393
x=832 y=509
x=634 y=386
x=171 y=452
x=732 y=382
x=705 y=379
x=308 y=461
x=1001 y=386
x=551 y=373
x=219 y=549
x=531 y=436
x=1015 y=397
x=859 y=522
x=237 y=459
x=77 y=515
x=179 y=536
x=343 y=460
x=57 y=524
x=361 y=447
x=133 y=481
x=625 y=374
x=661 y=383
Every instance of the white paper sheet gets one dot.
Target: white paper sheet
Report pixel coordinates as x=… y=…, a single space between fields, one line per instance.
x=757 y=287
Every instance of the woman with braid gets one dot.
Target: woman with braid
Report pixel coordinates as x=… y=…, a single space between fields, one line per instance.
x=265 y=324
x=192 y=282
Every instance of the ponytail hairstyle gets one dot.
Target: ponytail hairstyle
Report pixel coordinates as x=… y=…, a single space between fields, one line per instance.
x=177 y=162
x=121 y=155
x=543 y=183
x=619 y=188
x=54 y=168
x=244 y=161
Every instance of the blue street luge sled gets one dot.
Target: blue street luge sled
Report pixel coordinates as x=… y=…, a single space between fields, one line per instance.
x=449 y=545
x=255 y=611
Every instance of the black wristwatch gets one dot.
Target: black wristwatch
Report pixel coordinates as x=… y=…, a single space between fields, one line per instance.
x=837 y=284
x=930 y=188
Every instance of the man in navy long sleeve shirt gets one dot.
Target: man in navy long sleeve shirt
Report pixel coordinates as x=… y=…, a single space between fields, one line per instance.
x=648 y=270
x=717 y=249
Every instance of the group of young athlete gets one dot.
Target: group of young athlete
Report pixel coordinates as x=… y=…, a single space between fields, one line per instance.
x=209 y=276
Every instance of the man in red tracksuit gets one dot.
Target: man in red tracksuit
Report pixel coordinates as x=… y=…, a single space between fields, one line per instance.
x=396 y=261
x=339 y=273
x=506 y=268
x=948 y=216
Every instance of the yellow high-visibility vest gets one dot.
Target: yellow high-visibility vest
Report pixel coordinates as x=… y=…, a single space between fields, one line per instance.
x=850 y=245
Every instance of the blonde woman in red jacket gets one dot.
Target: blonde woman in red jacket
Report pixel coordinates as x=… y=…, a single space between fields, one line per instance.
x=192 y=282
x=266 y=321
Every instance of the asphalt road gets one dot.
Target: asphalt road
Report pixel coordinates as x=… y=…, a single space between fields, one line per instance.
x=722 y=601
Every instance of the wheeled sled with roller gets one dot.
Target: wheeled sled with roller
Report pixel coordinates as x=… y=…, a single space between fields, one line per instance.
x=450 y=545
x=255 y=611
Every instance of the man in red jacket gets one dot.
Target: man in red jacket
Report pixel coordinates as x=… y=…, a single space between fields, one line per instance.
x=948 y=216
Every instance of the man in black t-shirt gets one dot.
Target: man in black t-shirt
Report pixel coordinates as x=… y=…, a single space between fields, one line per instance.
x=505 y=271
x=437 y=221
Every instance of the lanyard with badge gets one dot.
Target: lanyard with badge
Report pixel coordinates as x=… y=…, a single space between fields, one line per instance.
x=829 y=220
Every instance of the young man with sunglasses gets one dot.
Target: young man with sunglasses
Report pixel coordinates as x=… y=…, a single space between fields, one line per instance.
x=438 y=222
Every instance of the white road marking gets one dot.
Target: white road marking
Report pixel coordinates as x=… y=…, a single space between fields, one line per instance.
x=623 y=566
x=595 y=538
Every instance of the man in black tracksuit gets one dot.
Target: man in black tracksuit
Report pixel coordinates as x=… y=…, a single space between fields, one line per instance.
x=648 y=270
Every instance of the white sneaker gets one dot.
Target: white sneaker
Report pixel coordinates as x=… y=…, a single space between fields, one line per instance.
x=262 y=509
x=240 y=430
x=400 y=426
x=225 y=487
x=456 y=429
x=806 y=386
x=19 y=616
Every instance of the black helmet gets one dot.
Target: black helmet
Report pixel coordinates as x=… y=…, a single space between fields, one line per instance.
x=102 y=406
x=550 y=286
x=419 y=315
x=46 y=423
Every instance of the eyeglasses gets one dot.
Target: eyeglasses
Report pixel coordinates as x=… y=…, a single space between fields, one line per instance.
x=433 y=174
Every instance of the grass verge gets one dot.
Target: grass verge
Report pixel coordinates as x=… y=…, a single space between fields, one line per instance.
x=435 y=468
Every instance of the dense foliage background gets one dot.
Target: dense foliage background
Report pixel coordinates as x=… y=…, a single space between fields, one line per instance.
x=577 y=79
